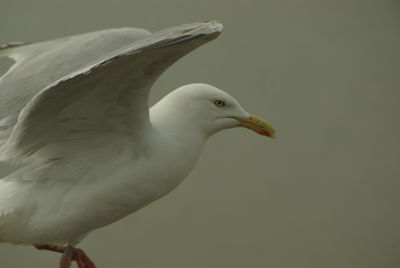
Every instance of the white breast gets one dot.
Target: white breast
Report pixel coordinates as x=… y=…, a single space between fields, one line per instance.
x=73 y=196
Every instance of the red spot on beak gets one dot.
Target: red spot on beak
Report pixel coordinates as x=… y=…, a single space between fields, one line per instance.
x=265 y=133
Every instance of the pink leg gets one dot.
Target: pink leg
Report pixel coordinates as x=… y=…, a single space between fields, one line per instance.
x=69 y=254
x=66 y=257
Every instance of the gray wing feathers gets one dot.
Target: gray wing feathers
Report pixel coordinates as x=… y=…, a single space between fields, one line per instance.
x=38 y=65
x=111 y=93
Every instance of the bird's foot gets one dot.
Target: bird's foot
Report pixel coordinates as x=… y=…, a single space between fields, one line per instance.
x=82 y=259
x=70 y=254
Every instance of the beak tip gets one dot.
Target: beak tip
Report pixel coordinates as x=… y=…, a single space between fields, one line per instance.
x=258 y=125
x=268 y=134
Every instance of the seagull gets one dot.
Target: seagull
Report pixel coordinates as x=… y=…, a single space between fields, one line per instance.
x=79 y=146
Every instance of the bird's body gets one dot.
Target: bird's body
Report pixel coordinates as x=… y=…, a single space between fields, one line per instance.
x=80 y=146
x=103 y=179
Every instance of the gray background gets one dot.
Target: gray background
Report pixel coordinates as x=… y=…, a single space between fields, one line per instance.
x=324 y=194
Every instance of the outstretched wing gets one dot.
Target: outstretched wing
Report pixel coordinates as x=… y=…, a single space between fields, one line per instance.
x=111 y=94
x=38 y=65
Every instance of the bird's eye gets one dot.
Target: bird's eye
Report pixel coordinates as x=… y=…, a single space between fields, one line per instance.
x=219 y=103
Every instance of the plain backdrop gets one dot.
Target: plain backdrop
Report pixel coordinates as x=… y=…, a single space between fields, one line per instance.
x=325 y=194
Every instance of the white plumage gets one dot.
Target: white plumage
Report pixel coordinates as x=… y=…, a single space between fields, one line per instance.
x=79 y=147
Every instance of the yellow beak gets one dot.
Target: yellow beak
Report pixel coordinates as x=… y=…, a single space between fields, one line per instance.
x=258 y=125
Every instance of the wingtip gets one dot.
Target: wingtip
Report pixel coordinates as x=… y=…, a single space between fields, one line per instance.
x=211 y=29
x=206 y=27
x=200 y=31
x=214 y=26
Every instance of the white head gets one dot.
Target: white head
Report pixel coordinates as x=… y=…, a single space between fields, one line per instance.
x=206 y=109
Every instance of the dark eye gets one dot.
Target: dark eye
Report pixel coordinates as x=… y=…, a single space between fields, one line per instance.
x=219 y=103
